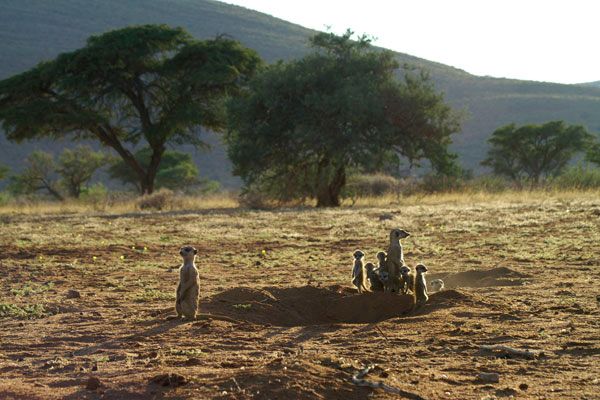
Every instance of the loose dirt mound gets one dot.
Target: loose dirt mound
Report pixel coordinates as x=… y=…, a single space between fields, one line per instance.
x=307 y=305
x=500 y=276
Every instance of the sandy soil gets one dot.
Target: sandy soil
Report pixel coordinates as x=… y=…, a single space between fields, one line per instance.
x=86 y=302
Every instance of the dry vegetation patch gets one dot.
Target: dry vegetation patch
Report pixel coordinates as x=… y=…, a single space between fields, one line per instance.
x=520 y=272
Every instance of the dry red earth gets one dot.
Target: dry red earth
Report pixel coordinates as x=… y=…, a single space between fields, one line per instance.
x=86 y=300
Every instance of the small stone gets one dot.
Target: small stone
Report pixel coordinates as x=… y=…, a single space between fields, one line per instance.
x=523 y=386
x=93 y=383
x=492 y=377
x=73 y=294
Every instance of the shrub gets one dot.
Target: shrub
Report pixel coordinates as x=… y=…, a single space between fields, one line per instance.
x=255 y=200
x=489 y=184
x=432 y=183
x=94 y=194
x=163 y=199
x=5 y=198
x=364 y=185
x=578 y=177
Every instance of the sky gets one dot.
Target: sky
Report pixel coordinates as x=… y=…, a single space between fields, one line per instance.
x=551 y=40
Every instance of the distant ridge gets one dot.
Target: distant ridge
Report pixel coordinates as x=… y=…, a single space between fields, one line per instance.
x=36 y=30
x=592 y=84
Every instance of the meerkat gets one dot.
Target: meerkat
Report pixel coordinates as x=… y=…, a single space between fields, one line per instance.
x=373 y=277
x=437 y=285
x=384 y=275
x=188 y=290
x=395 y=255
x=358 y=273
x=406 y=279
x=420 y=285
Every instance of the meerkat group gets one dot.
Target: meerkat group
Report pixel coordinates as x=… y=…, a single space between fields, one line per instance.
x=392 y=275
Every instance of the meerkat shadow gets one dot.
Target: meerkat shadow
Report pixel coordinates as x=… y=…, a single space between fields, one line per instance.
x=479 y=278
x=307 y=305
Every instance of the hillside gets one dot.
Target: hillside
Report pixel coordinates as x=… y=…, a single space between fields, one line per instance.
x=592 y=84
x=36 y=30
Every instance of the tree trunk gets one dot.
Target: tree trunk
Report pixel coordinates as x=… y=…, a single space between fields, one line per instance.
x=328 y=194
x=148 y=181
x=52 y=191
x=110 y=138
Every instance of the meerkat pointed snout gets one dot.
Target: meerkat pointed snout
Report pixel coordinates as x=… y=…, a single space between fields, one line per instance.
x=188 y=289
x=358 y=273
x=395 y=257
x=421 y=285
x=406 y=279
x=437 y=285
x=399 y=233
x=373 y=277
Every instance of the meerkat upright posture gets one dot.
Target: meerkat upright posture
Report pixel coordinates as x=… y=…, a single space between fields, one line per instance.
x=406 y=279
x=437 y=285
x=373 y=276
x=384 y=273
x=358 y=273
x=188 y=290
x=420 y=285
x=395 y=256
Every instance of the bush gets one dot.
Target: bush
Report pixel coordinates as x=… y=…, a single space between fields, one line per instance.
x=94 y=194
x=255 y=200
x=489 y=184
x=578 y=177
x=433 y=183
x=365 y=185
x=5 y=198
x=163 y=199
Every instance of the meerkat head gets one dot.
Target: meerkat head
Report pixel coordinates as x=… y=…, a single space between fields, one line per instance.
x=188 y=253
x=381 y=256
x=370 y=267
x=404 y=270
x=358 y=254
x=384 y=276
x=421 y=268
x=437 y=284
x=397 y=234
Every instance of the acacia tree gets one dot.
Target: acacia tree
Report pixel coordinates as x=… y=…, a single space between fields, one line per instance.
x=302 y=124
x=77 y=166
x=532 y=152
x=38 y=175
x=593 y=152
x=152 y=84
x=71 y=173
x=177 y=170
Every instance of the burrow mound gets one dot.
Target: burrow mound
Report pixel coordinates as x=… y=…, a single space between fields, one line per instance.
x=500 y=276
x=311 y=305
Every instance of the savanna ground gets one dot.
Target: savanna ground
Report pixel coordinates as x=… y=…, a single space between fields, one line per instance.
x=87 y=295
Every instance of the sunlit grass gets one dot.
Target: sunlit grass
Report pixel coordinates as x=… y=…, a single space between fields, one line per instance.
x=71 y=206
x=230 y=201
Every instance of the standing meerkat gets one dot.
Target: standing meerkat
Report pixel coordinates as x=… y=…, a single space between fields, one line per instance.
x=395 y=255
x=406 y=279
x=384 y=274
x=188 y=290
x=358 y=273
x=373 y=277
x=420 y=287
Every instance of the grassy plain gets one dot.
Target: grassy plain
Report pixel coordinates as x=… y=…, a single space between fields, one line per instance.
x=86 y=293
